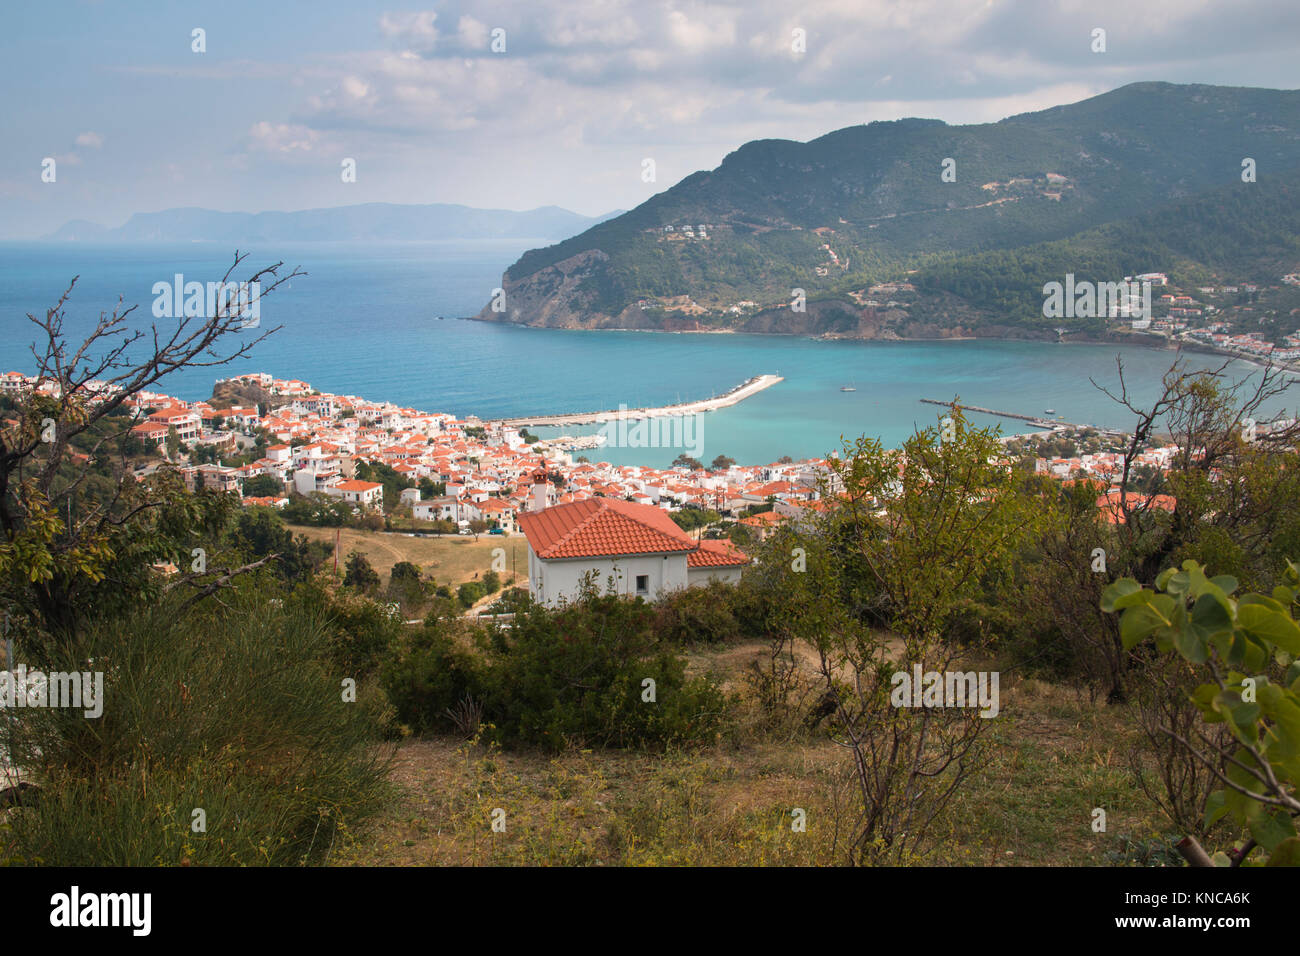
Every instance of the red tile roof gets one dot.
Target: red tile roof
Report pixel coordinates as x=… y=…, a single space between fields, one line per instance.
x=596 y=527
x=716 y=554
x=357 y=485
x=1113 y=512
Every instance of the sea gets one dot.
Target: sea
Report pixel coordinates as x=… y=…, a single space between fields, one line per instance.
x=386 y=321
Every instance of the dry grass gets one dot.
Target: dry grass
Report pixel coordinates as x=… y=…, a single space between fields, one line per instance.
x=1052 y=757
x=451 y=559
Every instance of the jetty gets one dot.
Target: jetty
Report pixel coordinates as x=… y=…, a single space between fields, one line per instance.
x=1051 y=423
x=1033 y=419
x=732 y=397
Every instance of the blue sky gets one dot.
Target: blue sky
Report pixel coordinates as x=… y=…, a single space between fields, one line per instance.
x=584 y=91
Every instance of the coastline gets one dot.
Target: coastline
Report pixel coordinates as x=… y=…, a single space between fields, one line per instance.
x=1149 y=341
x=731 y=397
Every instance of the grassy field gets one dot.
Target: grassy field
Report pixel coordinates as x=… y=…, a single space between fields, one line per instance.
x=1053 y=756
x=451 y=559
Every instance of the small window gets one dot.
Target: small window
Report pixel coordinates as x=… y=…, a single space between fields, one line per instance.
x=643 y=584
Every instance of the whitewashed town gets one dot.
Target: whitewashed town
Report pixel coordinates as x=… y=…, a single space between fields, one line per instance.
x=467 y=476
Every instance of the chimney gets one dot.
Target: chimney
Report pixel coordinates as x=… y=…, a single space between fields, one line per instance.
x=541 y=492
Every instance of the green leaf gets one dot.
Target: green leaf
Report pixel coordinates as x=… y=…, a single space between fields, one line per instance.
x=1225 y=583
x=1211 y=614
x=1270 y=625
x=1214 y=808
x=1286 y=853
x=1140 y=622
x=1272 y=827
x=1116 y=591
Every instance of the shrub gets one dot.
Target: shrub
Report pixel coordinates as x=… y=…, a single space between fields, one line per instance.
x=238 y=714
x=579 y=676
x=469 y=592
x=361 y=633
x=360 y=574
x=698 y=615
x=430 y=678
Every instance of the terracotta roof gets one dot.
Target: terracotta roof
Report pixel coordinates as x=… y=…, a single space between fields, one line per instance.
x=358 y=485
x=716 y=554
x=762 y=519
x=596 y=527
x=1113 y=512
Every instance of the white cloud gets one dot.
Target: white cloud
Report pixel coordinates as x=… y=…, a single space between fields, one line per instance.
x=269 y=137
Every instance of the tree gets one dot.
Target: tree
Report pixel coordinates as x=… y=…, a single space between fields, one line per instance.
x=263 y=486
x=431 y=489
x=404 y=571
x=260 y=533
x=686 y=461
x=722 y=463
x=1223 y=500
x=917 y=533
x=1214 y=424
x=359 y=574
x=478 y=526
x=691 y=517
x=59 y=563
x=393 y=481
x=406 y=586
x=173 y=443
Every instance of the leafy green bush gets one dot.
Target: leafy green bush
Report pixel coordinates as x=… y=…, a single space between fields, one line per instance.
x=431 y=675
x=579 y=676
x=698 y=615
x=469 y=592
x=555 y=678
x=360 y=631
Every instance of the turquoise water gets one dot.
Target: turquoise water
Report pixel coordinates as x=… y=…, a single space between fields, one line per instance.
x=365 y=321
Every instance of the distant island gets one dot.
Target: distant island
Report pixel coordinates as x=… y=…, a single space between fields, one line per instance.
x=367 y=221
x=915 y=229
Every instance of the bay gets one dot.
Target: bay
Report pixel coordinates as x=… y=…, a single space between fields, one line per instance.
x=364 y=321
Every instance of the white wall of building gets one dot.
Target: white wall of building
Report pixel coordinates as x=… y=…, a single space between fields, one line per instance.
x=696 y=576
x=552 y=582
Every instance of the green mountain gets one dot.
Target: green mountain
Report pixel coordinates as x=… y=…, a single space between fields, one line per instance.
x=1147 y=177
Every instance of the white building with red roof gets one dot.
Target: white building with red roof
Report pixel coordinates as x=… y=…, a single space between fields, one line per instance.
x=363 y=494
x=635 y=549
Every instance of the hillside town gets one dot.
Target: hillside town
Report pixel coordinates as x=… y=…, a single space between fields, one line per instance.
x=472 y=476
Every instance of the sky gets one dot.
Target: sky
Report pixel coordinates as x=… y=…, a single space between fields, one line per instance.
x=528 y=103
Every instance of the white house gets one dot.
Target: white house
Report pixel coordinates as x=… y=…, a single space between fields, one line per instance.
x=436 y=509
x=638 y=548
x=364 y=494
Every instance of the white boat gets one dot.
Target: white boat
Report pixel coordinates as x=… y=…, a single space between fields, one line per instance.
x=847 y=388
